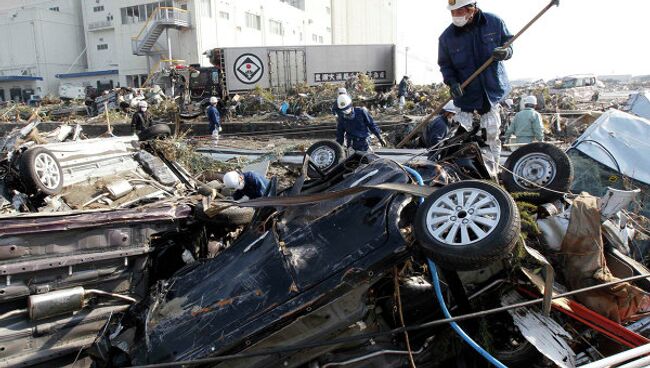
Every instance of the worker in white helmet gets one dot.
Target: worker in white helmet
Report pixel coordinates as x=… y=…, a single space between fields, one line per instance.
x=249 y=184
x=473 y=38
x=141 y=119
x=339 y=92
x=214 y=120
x=438 y=128
x=527 y=125
x=355 y=125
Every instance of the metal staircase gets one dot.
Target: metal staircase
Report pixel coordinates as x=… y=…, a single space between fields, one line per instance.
x=161 y=19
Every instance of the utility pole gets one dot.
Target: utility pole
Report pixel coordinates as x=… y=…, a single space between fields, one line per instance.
x=406 y=61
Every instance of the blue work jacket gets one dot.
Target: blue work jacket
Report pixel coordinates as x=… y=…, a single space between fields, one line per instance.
x=255 y=186
x=214 y=118
x=359 y=126
x=436 y=131
x=462 y=50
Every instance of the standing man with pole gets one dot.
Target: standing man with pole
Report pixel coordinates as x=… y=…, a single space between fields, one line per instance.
x=473 y=38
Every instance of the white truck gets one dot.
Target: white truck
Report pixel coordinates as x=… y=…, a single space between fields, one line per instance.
x=241 y=69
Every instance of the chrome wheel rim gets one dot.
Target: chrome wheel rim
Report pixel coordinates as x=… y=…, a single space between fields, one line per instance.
x=323 y=157
x=463 y=217
x=535 y=170
x=47 y=171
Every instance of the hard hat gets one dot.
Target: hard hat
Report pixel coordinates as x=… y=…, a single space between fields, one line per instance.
x=342 y=91
x=344 y=102
x=509 y=102
x=457 y=4
x=530 y=100
x=232 y=180
x=214 y=100
x=450 y=107
x=143 y=104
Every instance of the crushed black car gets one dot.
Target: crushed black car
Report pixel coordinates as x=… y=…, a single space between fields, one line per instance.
x=310 y=270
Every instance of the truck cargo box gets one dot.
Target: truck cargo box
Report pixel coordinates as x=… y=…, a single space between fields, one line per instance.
x=280 y=68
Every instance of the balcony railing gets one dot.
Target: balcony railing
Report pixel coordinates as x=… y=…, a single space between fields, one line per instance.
x=102 y=24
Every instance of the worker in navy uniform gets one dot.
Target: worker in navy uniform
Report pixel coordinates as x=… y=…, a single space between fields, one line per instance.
x=214 y=120
x=473 y=37
x=355 y=125
x=249 y=184
x=438 y=129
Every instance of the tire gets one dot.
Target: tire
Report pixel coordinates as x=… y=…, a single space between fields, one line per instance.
x=510 y=347
x=325 y=155
x=543 y=164
x=232 y=216
x=41 y=172
x=156 y=131
x=440 y=220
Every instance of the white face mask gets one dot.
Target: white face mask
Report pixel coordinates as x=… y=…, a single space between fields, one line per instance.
x=459 y=21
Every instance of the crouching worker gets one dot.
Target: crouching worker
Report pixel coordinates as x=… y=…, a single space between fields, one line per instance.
x=141 y=119
x=438 y=129
x=249 y=184
x=355 y=124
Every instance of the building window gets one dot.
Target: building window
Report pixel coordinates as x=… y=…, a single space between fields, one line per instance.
x=253 y=21
x=276 y=27
x=102 y=46
x=224 y=15
x=314 y=37
x=55 y=8
x=328 y=10
x=97 y=8
x=320 y=39
x=329 y=30
x=300 y=4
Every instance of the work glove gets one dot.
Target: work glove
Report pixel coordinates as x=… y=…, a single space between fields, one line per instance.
x=456 y=90
x=502 y=53
x=220 y=129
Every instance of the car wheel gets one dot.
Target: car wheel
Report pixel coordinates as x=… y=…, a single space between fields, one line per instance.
x=41 y=172
x=536 y=166
x=157 y=131
x=468 y=225
x=510 y=347
x=325 y=155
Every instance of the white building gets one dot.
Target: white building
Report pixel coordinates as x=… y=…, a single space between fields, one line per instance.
x=364 y=22
x=40 y=39
x=377 y=22
x=114 y=29
x=109 y=43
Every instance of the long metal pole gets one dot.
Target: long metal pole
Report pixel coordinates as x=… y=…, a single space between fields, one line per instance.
x=169 y=56
x=469 y=80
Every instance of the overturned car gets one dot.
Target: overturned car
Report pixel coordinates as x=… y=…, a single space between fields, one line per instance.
x=86 y=226
x=321 y=262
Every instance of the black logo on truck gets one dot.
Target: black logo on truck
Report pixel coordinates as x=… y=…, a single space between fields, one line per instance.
x=249 y=69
